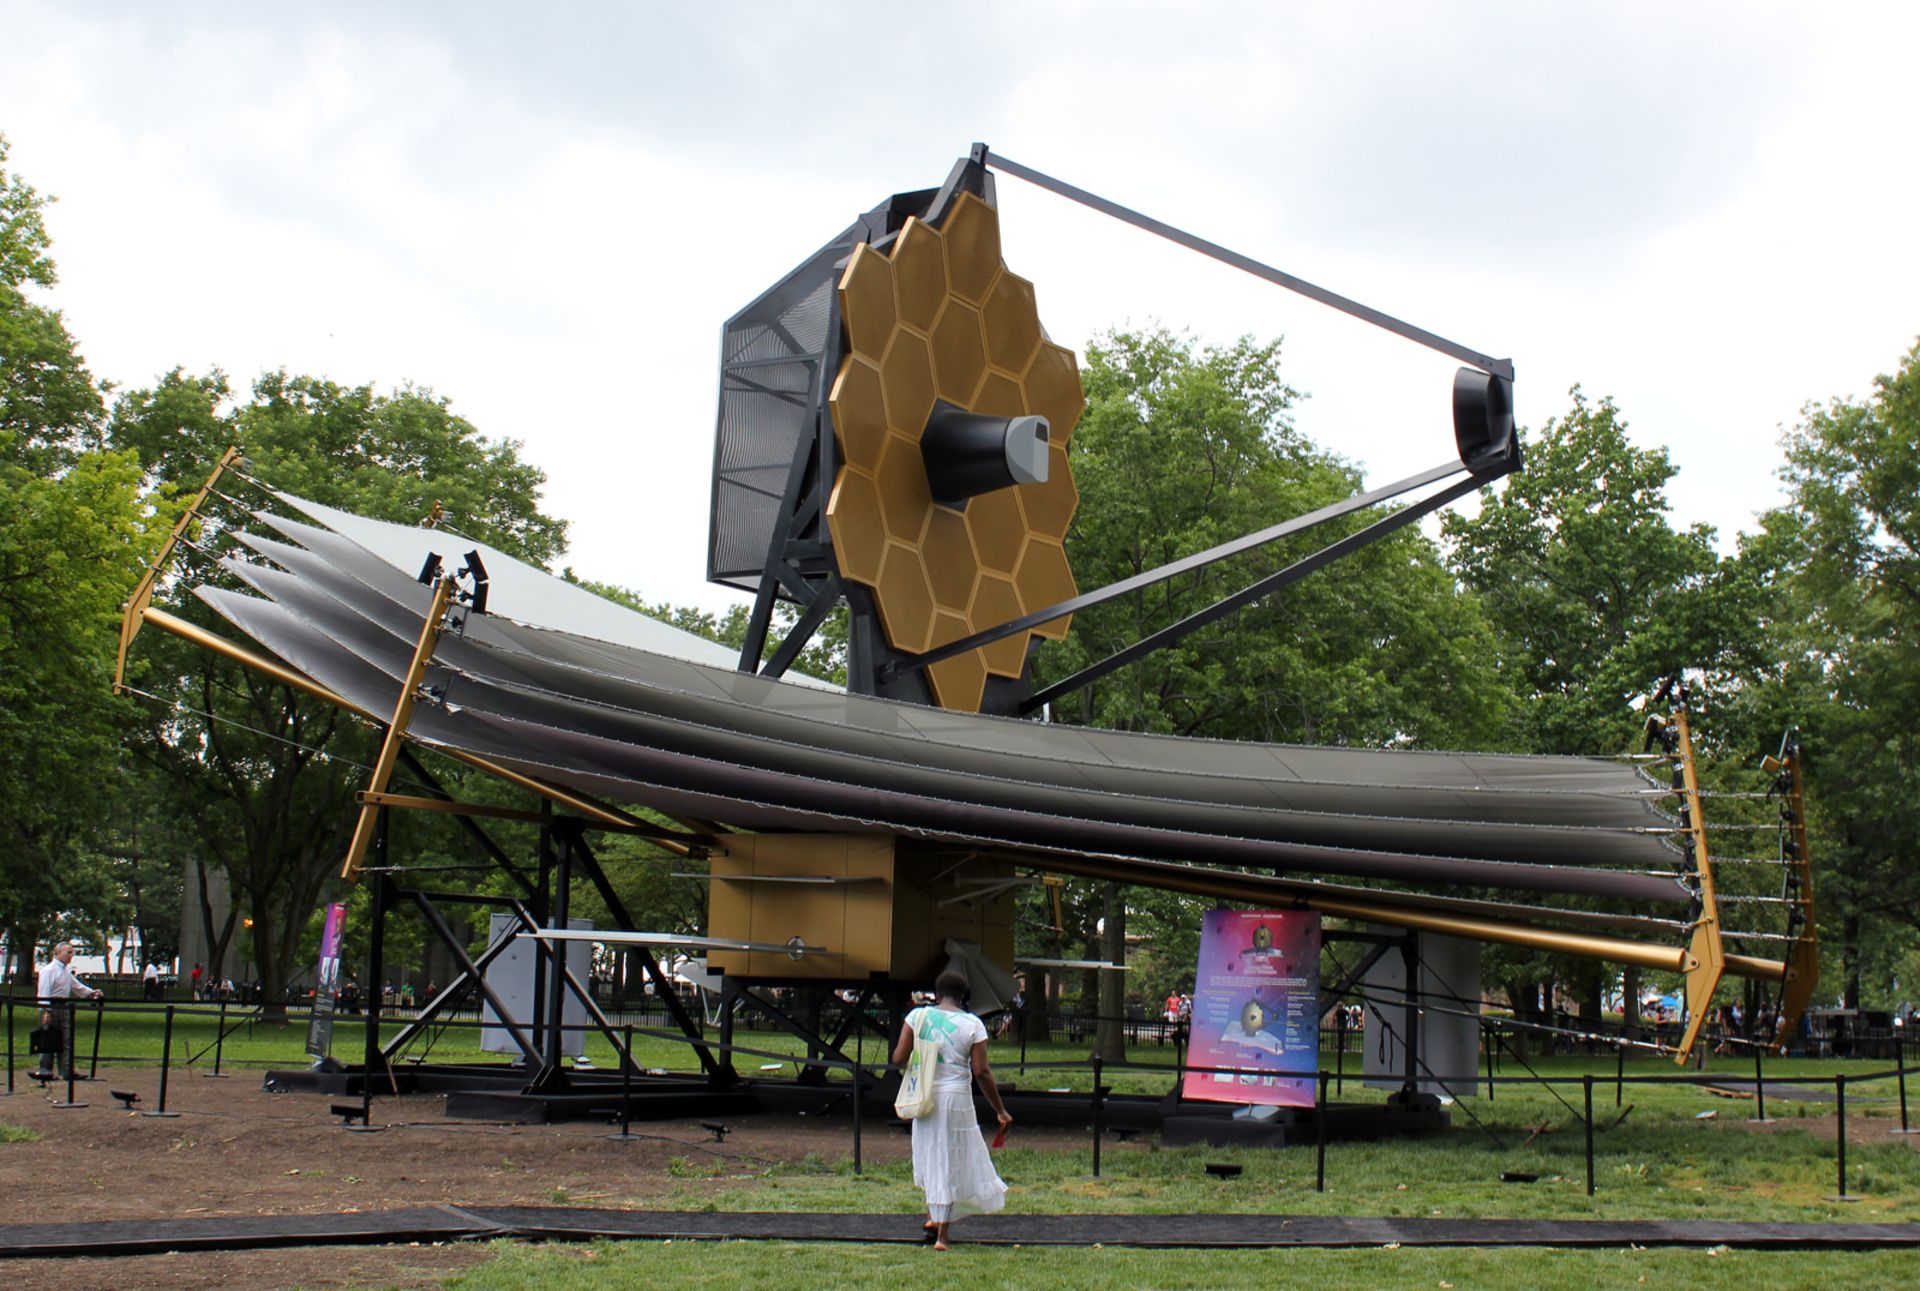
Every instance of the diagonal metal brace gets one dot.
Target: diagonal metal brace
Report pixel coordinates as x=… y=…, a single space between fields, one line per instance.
x=430 y=630
x=133 y=613
x=1706 y=959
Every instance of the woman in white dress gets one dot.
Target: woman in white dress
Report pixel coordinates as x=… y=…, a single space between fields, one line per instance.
x=950 y=1160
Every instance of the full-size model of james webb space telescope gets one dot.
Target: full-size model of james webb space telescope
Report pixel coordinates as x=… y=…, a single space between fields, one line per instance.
x=895 y=436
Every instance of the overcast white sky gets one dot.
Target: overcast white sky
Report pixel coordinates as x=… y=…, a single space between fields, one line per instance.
x=546 y=212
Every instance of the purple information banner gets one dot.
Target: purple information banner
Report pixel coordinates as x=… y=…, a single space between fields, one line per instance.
x=326 y=982
x=1256 y=1008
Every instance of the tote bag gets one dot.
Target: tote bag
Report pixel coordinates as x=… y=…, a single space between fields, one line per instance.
x=915 y=1098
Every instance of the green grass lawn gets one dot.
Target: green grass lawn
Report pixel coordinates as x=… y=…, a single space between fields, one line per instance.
x=617 y=1266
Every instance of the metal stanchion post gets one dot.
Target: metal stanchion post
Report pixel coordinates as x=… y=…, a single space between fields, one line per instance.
x=1025 y=1019
x=1840 y=1113
x=1491 y=1040
x=856 y=1118
x=1099 y=1115
x=166 y=1060
x=626 y=1085
x=9 y=1044
x=67 y=1054
x=1619 y=1073
x=1759 y=1086
x=99 y=1012
x=219 y=1043
x=376 y=961
x=1587 y=1081
x=1899 y=1054
x=1320 y=1135
x=1340 y=1047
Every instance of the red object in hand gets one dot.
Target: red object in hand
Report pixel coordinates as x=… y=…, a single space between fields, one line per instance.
x=1000 y=1139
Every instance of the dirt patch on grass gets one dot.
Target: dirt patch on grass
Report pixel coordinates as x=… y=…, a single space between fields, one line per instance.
x=237 y=1150
x=1860 y=1129
x=314 y=1266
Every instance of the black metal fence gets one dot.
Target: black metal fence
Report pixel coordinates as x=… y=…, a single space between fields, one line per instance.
x=862 y=1079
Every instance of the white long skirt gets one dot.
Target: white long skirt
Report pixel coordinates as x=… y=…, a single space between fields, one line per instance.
x=951 y=1163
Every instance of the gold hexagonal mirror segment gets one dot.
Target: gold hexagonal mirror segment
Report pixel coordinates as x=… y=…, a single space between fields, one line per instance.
x=1052 y=389
x=859 y=529
x=1044 y=578
x=959 y=353
x=919 y=274
x=958 y=682
x=972 y=235
x=866 y=301
x=859 y=413
x=904 y=599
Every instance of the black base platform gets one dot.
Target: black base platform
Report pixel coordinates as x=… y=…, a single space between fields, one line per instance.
x=1217 y=1126
x=554 y=1223
x=498 y=1093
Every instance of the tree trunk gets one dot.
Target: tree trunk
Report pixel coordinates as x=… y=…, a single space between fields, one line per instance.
x=24 y=943
x=1592 y=1001
x=272 y=960
x=217 y=941
x=1524 y=995
x=1111 y=1042
x=1850 y=959
x=1630 y=1000
x=1039 y=1006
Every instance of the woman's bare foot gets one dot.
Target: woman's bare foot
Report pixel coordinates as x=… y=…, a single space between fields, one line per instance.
x=940 y=1238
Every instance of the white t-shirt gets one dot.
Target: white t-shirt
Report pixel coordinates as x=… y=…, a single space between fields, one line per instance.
x=955 y=1033
x=58 y=982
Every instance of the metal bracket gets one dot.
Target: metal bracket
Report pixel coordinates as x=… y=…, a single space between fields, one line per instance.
x=1706 y=959
x=134 y=612
x=1803 y=959
x=430 y=630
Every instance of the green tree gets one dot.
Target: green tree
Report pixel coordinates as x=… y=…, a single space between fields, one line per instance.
x=1597 y=595
x=50 y=407
x=1840 y=565
x=1184 y=446
x=77 y=529
x=267 y=777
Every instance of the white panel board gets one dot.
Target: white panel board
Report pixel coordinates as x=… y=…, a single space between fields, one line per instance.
x=511 y=977
x=1449 y=1024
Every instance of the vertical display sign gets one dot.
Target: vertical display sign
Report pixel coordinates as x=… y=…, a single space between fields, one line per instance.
x=1256 y=1008
x=326 y=983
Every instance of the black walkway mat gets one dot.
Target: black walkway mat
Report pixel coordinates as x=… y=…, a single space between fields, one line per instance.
x=566 y=1223
x=241 y=1232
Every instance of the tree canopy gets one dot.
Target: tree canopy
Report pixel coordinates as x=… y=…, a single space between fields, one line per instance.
x=1840 y=566
x=1595 y=595
x=78 y=526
